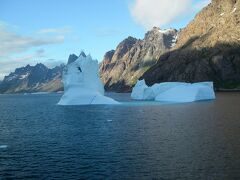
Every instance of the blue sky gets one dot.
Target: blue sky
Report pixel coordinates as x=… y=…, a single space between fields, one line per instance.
x=49 y=30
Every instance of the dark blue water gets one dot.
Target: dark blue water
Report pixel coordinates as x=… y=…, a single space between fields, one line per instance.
x=39 y=140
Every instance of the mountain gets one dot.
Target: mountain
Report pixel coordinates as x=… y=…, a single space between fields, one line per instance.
x=74 y=57
x=208 y=49
x=33 y=79
x=38 y=78
x=121 y=68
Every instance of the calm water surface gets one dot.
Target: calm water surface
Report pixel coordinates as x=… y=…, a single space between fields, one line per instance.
x=39 y=140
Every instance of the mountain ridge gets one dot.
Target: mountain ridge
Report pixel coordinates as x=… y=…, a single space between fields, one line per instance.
x=121 y=67
x=33 y=79
x=208 y=49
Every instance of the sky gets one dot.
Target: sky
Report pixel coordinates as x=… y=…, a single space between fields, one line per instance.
x=47 y=31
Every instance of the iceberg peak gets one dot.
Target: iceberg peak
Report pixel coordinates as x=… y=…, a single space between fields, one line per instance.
x=82 y=84
x=82 y=54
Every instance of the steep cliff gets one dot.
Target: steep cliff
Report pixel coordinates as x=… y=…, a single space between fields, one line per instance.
x=121 y=68
x=208 y=49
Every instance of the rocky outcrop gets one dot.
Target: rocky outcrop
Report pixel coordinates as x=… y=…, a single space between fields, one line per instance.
x=36 y=78
x=208 y=49
x=72 y=58
x=121 y=68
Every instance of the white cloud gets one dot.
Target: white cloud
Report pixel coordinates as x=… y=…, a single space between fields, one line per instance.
x=12 y=42
x=17 y=50
x=63 y=30
x=149 y=13
x=9 y=64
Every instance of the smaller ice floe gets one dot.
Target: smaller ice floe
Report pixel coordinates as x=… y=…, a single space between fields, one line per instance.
x=3 y=146
x=173 y=91
x=41 y=93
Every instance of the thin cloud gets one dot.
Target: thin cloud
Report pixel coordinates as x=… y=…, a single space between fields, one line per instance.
x=63 y=30
x=150 y=13
x=12 y=42
x=51 y=63
x=9 y=64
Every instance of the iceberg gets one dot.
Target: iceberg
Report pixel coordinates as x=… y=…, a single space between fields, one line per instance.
x=138 y=91
x=82 y=84
x=174 y=91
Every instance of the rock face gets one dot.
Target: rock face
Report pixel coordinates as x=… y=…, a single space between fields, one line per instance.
x=33 y=79
x=72 y=58
x=121 y=68
x=208 y=49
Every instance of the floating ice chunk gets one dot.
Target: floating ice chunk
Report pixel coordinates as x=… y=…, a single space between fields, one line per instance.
x=82 y=84
x=162 y=87
x=3 y=146
x=142 y=92
x=174 y=91
x=187 y=93
x=138 y=90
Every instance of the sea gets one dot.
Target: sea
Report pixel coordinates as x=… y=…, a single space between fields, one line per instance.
x=134 y=140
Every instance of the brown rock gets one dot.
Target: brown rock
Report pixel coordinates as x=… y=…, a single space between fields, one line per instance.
x=208 y=49
x=121 y=68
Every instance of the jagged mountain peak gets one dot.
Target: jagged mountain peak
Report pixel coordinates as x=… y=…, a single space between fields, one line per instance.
x=121 y=68
x=208 y=49
x=163 y=31
x=82 y=54
x=40 y=65
x=129 y=41
x=33 y=79
x=72 y=58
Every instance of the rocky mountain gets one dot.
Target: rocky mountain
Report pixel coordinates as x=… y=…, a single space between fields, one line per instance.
x=36 y=78
x=208 y=49
x=73 y=57
x=121 y=68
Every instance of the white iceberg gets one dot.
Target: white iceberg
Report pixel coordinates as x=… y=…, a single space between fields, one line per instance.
x=82 y=85
x=174 y=91
x=138 y=91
